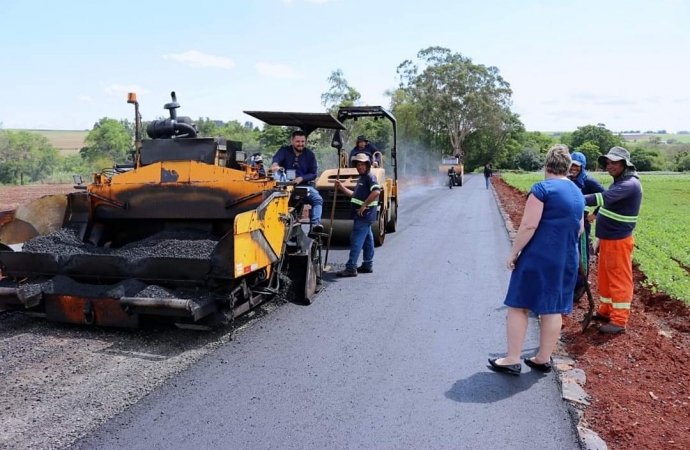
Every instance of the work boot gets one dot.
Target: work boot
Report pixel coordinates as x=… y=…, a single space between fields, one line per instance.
x=362 y=269
x=347 y=273
x=317 y=228
x=611 y=328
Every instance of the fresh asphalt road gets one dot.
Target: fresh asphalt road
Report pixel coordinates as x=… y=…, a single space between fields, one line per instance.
x=396 y=359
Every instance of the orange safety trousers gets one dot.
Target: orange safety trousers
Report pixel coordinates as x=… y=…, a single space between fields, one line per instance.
x=616 y=279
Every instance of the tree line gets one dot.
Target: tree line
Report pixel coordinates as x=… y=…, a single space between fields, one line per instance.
x=445 y=104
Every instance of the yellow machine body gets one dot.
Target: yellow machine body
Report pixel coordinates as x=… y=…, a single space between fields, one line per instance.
x=189 y=233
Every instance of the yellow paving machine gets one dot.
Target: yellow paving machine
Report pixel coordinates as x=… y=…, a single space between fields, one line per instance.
x=188 y=233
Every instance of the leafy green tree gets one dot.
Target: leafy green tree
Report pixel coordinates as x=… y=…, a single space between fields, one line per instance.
x=25 y=156
x=567 y=139
x=646 y=160
x=339 y=93
x=530 y=159
x=7 y=169
x=496 y=144
x=591 y=151
x=236 y=131
x=536 y=139
x=75 y=165
x=272 y=137
x=683 y=163
x=604 y=139
x=455 y=95
x=207 y=127
x=109 y=139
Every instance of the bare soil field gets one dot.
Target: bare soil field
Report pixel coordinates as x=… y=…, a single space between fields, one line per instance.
x=639 y=381
x=13 y=196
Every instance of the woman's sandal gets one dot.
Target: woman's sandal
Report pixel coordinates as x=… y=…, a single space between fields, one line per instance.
x=546 y=367
x=513 y=369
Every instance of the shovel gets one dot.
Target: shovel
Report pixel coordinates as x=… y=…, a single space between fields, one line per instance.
x=590 y=312
x=335 y=143
x=327 y=267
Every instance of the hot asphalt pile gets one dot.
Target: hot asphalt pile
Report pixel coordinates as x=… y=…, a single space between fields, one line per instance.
x=64 y=244
x=185 y=244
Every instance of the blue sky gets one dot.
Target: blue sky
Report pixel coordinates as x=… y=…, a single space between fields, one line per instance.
x=570 y=63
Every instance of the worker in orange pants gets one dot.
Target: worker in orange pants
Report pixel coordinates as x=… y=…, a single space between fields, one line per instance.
x=615 y=280
x=619 y=207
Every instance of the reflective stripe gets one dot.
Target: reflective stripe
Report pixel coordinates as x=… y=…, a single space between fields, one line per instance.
x=375 y=186
x=620 y=305
x=361 y=202
x=599 y=197
x=617 y=217
x=605 y=300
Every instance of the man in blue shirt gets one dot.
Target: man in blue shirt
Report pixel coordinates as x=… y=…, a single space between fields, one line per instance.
x=363 y=146
x=299 y=158
x=363 y=209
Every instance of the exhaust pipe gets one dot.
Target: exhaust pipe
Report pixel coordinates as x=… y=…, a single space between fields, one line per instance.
x=196 y=309
x=165 y=303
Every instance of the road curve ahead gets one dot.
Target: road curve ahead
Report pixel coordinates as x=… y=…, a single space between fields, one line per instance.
x=396 y=359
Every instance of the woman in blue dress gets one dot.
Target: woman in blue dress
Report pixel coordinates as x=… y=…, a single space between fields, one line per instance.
x=544 y=261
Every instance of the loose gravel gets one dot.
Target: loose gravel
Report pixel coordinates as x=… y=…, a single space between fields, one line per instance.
x=187 y=244
x=59 y=381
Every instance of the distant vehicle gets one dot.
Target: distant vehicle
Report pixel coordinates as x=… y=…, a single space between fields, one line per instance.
x=448 y=162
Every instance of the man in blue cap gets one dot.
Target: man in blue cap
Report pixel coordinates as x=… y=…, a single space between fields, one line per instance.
x=588 y=185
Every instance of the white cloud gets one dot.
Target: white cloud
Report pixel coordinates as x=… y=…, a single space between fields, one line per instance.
x=123 y=90
x=85 y=98
x=278 y=71
x=195 y=58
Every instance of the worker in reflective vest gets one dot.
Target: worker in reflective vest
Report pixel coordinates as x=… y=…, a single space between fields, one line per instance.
x=364 y=202
x=619 y=207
